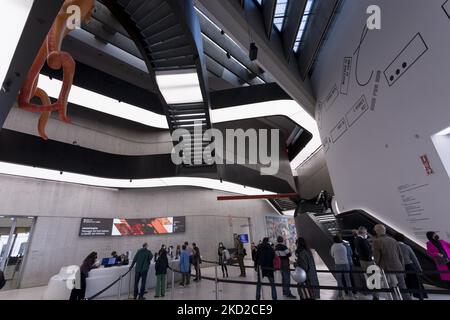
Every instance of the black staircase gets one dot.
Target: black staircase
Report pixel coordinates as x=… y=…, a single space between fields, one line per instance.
x=167 y=33
x=194 y=119
x=319 y=228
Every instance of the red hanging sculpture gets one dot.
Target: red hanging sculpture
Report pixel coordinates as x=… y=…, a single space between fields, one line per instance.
x=50 y=52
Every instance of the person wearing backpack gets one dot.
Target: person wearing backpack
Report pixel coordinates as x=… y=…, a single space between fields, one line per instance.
x=224 y=256
x=282 y=263
x=264 y=267
x=341 y=258
x=161 y=266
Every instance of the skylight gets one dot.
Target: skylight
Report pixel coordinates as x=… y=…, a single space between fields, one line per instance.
x=303 y=24
x=280 y=14
x=180 y=86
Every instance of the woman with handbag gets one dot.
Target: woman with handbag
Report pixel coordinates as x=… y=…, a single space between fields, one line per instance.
x=305 y=260
x=439 y=250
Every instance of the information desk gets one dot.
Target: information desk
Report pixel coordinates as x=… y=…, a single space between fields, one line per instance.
x=102 y=277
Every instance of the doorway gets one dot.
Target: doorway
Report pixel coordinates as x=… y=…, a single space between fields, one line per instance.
x=15 y=236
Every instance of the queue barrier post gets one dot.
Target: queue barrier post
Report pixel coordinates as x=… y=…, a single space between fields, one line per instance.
x=129 y=285
x=216 y=281
x=260 y=282
x=120 y=288
x=172 y=291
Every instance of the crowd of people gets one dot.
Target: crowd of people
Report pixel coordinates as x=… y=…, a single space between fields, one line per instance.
x=400 y=266
x=188 y=256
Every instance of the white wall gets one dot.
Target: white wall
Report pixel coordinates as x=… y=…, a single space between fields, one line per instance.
x=313 y=176
x=442 y=144
x=375 y=164
x=105 y=136
x=60 y=207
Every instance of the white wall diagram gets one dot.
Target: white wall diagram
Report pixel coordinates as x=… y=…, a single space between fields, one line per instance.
x=392 y=97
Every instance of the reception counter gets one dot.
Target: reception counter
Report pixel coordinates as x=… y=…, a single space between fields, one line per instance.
x=102 y=277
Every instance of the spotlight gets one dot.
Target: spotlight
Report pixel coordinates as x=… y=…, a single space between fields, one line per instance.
x=253 y=54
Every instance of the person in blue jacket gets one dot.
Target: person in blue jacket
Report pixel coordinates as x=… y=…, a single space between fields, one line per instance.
x=184 y=265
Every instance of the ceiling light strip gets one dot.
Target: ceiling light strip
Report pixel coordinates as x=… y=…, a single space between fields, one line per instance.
x=53 y=175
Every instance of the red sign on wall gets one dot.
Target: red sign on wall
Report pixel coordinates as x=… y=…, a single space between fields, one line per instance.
x=426 y=163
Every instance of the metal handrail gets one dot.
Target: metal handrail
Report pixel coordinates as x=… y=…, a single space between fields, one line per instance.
x=423 y=272
x=365 y=289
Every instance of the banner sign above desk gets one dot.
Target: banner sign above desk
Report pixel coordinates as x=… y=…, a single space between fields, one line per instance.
x=93 y=227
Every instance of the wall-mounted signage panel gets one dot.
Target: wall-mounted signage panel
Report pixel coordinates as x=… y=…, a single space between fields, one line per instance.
x=93 y=227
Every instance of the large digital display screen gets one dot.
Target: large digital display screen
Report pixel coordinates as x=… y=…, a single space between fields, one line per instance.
x=92 y=227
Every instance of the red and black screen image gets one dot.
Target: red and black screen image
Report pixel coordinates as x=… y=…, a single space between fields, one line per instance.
x=140 y=227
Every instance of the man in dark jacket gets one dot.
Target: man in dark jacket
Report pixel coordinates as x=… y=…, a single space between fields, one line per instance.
x=142 y=261
x=196 y=261
x=240 y=254
x=161 y=266
x=264 y=267
x=363 y=249
x=284 y=254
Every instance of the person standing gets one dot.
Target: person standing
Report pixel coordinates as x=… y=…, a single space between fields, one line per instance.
x=364 y=252
x=264 y=267
x=222 y=252
x=412 y=268
x=253 y=248
x=117 y=257
x=185 y=266
x=240 y=253
x=142 y=260
x=161 y=266
x=305 y=260
x=170 y=253
x=196 y=261
x=340 y=254
x=88 y=264
x=283 y=252
x=350 y=255
x=389 y=257
x=177 y=252
x=439 y=251
x=191 y=255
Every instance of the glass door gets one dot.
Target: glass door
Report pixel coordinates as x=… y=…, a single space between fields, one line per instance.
x=15 y=235
x=6 y=224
